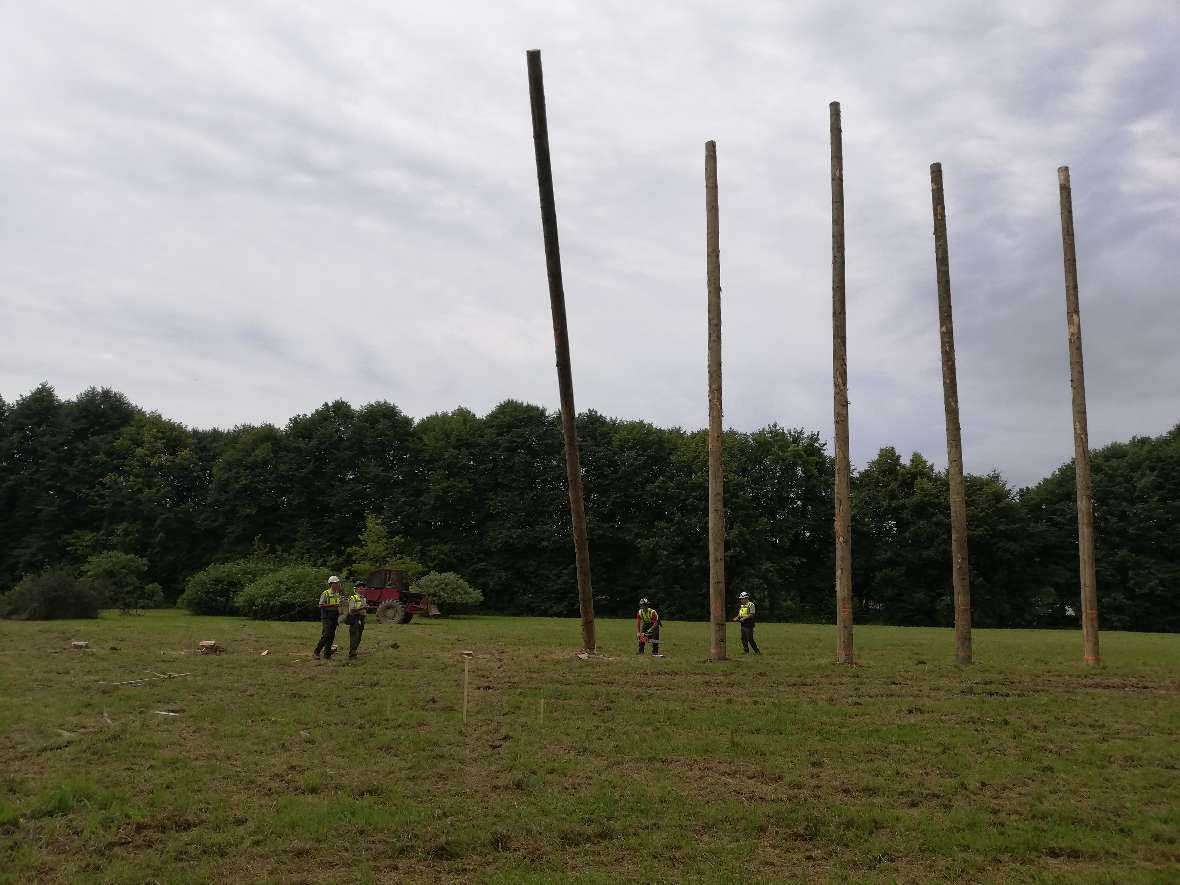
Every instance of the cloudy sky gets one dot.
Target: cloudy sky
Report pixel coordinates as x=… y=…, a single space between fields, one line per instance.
x=235 y=211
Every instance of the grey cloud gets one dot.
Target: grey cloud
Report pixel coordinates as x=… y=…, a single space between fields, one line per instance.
x=236 y=211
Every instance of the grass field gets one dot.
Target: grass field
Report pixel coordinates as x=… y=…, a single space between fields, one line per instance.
x=784 y=767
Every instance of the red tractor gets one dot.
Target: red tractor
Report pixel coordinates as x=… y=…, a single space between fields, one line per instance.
x=389 y=595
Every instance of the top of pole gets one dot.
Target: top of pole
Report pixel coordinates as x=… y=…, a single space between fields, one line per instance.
x=1063 y=174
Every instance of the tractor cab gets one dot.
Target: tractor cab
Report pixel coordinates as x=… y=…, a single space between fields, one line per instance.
x=388 y=593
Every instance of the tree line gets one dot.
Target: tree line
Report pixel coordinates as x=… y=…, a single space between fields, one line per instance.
x=485 y=497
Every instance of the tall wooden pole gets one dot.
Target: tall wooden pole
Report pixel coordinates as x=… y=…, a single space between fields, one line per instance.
x=716 y=478
x=565 y=383
x=1081 y=438
x=954 y=442
x=843 y=527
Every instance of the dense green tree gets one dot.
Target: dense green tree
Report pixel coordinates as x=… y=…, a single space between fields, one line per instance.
x=901 y=542
x=485 y=497
x=623 y=463
x=151 y=498
x=118 y=580
x=374 y=550
x=451 y=507
x=34 y=483
x=527 y=562
x=248 y=500
x=1137 y=539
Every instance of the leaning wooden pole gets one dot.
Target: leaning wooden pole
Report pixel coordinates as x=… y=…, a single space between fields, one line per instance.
x=565 y=382
x=954 y=441
x=1081 y=437
x=716 y=477
x=843 y=526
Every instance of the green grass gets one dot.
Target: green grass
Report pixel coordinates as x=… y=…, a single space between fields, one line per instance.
x=1027 y=767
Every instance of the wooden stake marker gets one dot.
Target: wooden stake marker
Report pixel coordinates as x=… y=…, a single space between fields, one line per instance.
x=466 y=681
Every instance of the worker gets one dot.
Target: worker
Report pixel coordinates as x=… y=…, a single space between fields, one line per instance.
x=647 y=623
x=745 y=617
x=329 y=617
x=358 y=607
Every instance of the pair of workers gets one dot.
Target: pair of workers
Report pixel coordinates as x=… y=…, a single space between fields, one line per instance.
x=647 y=624
x=335 y=607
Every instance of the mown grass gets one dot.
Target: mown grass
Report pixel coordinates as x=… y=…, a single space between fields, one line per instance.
x=1026 y=767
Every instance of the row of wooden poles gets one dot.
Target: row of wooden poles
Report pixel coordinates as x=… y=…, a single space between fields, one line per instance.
x=843 y=506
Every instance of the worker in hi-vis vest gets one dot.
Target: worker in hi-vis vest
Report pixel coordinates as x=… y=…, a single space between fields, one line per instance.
x=329 y=616
x=358 y=607
x=745 y=617
x=647 y=624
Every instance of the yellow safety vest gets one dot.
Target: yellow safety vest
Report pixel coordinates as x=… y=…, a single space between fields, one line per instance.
x=744 y=611
x=356 y=602
x=329 y=598
x=647 y=615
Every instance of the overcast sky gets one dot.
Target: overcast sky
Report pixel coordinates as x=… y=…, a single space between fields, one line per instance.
x=235 y=211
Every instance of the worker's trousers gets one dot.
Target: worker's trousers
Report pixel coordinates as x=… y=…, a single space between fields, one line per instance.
x=748 y=637
x=653 y=636
x=328 y=619
x=356 y=628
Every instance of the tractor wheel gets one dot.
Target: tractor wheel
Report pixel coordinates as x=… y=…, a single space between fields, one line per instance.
x=389 y=612
x=393 y=612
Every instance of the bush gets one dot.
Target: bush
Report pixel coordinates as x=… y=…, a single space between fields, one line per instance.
x=449 y=592
x=213 y=590
x=53 y=593
x=291 y=593
x=117 y=578
x=152 y=596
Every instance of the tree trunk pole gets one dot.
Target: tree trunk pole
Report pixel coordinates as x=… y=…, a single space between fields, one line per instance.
x=1081 y=441
x=716 y=478
x=843 y=526
x=954 y=441
x=565 y=383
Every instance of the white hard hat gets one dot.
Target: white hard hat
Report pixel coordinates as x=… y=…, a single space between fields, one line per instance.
x=333 y=580
x=743 y=595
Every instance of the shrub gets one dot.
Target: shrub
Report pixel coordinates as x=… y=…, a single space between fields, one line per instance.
x=449 y=592
x=117 y=578
x=213 y=590
x=53 y=593
x=291 y=593
x=152 y=596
